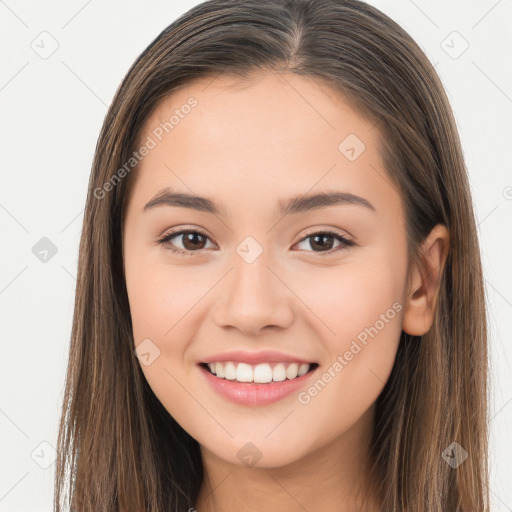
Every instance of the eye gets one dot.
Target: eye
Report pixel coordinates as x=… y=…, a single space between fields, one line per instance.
x=320 y=240
x=193 y=241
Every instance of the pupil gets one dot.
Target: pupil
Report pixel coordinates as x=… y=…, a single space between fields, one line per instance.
x=321 y=244
x=192 y=237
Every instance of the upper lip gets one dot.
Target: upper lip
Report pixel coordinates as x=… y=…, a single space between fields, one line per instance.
x=263 y=356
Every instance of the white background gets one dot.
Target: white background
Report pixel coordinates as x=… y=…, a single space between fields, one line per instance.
x=51 y=112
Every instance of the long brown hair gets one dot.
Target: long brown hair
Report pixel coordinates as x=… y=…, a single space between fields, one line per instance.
x=118 y=448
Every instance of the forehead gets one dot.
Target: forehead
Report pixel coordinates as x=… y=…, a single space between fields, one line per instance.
x=259 y=106
x=277 y=134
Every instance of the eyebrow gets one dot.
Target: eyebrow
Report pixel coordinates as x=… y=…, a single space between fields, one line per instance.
x=167 y=197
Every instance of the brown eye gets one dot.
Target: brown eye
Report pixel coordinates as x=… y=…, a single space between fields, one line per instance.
x=191 y=240
x=194 y=241
x=324 y=241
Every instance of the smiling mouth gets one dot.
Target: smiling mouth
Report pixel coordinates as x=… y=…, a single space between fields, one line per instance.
x=262 y=373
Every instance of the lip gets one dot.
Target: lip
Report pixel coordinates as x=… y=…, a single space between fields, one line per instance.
x=264 y=356
x=253 y=394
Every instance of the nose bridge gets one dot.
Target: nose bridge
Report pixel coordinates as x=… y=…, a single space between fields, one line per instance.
x=252 y=296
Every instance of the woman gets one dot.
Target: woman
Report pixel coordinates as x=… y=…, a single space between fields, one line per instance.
x=237 y=367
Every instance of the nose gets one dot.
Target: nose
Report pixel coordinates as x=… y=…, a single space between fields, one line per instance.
x=253 y=297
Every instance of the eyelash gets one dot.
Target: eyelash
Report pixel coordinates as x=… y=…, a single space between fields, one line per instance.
x=345 y=241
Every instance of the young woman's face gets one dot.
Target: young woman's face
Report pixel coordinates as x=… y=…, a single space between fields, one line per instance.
x=262 y=278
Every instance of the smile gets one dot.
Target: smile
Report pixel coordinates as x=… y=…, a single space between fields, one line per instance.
x=259 y=373
x=248 y=391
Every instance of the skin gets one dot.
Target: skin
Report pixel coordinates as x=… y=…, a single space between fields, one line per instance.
x=247 y=145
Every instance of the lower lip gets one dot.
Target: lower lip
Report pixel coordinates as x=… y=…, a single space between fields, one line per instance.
x=249 y=393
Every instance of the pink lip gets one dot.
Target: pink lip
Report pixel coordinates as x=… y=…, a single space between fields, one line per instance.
x=264 y=356
x=252 y=394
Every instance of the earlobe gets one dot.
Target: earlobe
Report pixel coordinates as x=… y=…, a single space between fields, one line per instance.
x=425 y=281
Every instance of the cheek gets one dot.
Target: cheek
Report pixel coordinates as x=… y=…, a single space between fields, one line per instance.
x=160 y=297
x=160 y=302
x=358 y=302
x=351 y=298
x=360 y=313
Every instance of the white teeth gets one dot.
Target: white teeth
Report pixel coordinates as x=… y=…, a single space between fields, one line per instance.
x=244 y=372
x=229 y=371
x=279 y=373
x=292 y=371
x=303 y=368
x=219 y=370
x=261 y=373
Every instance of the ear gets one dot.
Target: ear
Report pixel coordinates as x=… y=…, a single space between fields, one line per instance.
x=424 y=282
